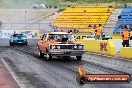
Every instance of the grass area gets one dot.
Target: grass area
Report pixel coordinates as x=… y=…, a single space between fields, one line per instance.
x=116 y=3
x=60 y=3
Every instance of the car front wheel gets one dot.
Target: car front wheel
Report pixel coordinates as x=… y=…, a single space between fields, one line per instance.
x=11 y=44
x=41 y=54
x=48 y=57
x=26 y=44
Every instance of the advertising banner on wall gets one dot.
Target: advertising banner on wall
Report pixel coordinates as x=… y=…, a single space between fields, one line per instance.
x=31 y=34
x=6 y=33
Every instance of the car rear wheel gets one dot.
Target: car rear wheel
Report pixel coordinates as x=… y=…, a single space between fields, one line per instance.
x=79 y=58
x=26 y=44
x=11 y=44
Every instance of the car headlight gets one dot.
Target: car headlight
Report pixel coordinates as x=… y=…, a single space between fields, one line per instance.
x=80 y=47
x=75 y=46
x=25 y=40
x=53 y=47
x=58 y=47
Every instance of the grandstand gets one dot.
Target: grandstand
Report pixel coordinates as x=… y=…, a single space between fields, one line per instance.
x=125 y=18
x=83 y=17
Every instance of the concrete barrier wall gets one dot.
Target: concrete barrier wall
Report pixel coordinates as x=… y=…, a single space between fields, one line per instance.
x=99 y=46
x=126 y=52
x=31 y=34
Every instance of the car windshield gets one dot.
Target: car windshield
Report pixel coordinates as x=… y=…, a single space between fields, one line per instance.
x=58 y=37
x=18 y=35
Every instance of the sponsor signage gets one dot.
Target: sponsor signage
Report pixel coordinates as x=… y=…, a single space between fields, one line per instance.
x=28 y=33
x=104 y=78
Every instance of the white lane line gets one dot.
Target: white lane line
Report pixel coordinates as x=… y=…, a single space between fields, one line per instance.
x=21 y=85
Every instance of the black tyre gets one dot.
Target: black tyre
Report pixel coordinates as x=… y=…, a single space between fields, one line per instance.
x=11 y=44
x=26 y=44
x=48 y=57
x=41 y=54
x=79 y=58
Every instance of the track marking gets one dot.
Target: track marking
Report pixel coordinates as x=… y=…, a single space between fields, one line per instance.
x=13 y=74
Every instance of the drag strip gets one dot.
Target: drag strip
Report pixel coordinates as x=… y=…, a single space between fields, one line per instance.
x=35 y=72
x=86 y=63
x=50 y=74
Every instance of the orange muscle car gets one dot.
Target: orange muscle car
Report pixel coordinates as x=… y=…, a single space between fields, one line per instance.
x=58 y=44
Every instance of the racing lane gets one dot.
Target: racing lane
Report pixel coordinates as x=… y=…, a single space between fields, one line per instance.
x=34 y=72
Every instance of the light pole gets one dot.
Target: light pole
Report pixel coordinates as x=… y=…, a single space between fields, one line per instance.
x=25 y=20
x=85 y=20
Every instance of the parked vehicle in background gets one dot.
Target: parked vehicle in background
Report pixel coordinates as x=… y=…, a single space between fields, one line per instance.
x=104 y=36
x=39 y=6
x=18 y=39
x=57 y=44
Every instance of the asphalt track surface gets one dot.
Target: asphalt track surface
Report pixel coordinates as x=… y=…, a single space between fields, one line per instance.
x=35 y=72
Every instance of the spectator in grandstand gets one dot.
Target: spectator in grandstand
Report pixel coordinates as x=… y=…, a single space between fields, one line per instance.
x=108 y=10
x=73 y=6
x=75 y=30
x=94 y=27
x=125 y=36
x=98 y=32
x=125 y=4
x=68 y=5
x=119 y=17
x=89 y=26
x=71 y=37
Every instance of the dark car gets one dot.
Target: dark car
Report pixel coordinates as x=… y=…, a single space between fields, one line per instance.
x=18 y=39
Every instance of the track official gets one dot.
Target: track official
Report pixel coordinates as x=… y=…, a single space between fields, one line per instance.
x=125 y=37
x=98 y=32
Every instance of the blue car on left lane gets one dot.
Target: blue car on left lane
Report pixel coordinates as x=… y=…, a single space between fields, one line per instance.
x=18 y=39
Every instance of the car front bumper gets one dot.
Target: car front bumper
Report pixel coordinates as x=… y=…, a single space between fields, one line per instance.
x=66 y=52
x=20 y=42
